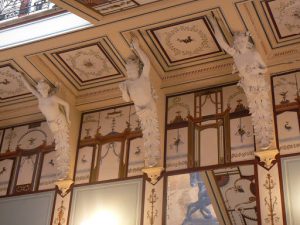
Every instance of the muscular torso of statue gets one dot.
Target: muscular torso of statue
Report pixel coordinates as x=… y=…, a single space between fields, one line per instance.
x=140 y=91
x=49 y=108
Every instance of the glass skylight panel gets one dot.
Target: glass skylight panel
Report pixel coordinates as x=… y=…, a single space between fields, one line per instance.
x=15 y=9
x=40 y=29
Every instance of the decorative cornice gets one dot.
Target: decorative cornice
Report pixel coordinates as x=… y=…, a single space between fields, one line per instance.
x=98 y=92
x=198 y=71
x=287 y=52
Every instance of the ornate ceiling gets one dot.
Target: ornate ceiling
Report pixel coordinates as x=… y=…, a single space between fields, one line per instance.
x=176 y=35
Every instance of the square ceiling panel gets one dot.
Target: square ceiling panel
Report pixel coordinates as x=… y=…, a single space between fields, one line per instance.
x=285 y=16
x=105 y=7
x=186 y=40
x=11 y=86
x=115 y=6
x=89 y=63
x=183 y=42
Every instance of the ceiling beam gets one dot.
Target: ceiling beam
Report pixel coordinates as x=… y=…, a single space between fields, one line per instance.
x=79 y=9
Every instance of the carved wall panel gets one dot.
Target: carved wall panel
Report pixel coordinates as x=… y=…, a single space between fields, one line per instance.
x=238 y=190
x=6 y=168
x=26 y=173
x=110 y=145
x=241 y=138
x=28 y=137
x=61 y=209
x=180 y=107
x=32 y=147
x=109 y=159
x=48 y=172
x=208 y=127
x=287 y=108
x=270 y=195
x=84 y=164
x=177 y=148
x=153 y=207
x=135 y=157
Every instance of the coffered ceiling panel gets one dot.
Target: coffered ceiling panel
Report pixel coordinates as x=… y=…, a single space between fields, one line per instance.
x=105 y=7
x=284 y=16
x=279 y=20
x=89 y=64
x=11 y=87
x=184 y=42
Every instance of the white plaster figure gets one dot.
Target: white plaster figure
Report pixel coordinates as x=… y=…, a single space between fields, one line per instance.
x=251 y=68
x=57 y=113
x=138 y=88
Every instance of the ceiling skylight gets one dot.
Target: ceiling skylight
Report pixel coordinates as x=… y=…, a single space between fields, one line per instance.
x=40 y=29
x=17 y=9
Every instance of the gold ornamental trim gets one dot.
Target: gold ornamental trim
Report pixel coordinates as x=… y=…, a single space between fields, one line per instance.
x=153 y=173
x=267 y=156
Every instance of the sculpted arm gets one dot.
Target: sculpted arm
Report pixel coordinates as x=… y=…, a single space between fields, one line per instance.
x=144 y=58
x=220 y=39
x=28 y=85
x=65 y=105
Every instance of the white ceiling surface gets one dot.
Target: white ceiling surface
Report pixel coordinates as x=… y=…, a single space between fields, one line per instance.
x=175 y=34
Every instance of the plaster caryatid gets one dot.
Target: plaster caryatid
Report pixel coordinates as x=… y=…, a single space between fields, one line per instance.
x=252 y=69
x=57 y=113
x=138 y=88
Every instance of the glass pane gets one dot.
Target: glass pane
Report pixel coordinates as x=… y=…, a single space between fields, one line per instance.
x=117 y=203
x=33 y=209
x=291 y=187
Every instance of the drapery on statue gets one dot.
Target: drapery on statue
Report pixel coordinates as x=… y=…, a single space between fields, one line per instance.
x=138 y=88
x=57 y=113
x=251 y=68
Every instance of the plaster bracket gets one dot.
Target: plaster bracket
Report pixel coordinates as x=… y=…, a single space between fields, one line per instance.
x=153 y=173
x=267 y=156
x=64 y=186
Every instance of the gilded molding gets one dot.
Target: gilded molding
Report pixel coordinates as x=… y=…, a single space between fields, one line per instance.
x=153 y=173
x=267 y=156
x=64 y=186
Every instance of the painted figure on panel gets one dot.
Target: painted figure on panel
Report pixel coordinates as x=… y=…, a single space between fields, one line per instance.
x=57 y=113
x=188 y=202
x=252 y=69
x=203 y=200
x=138 y=88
